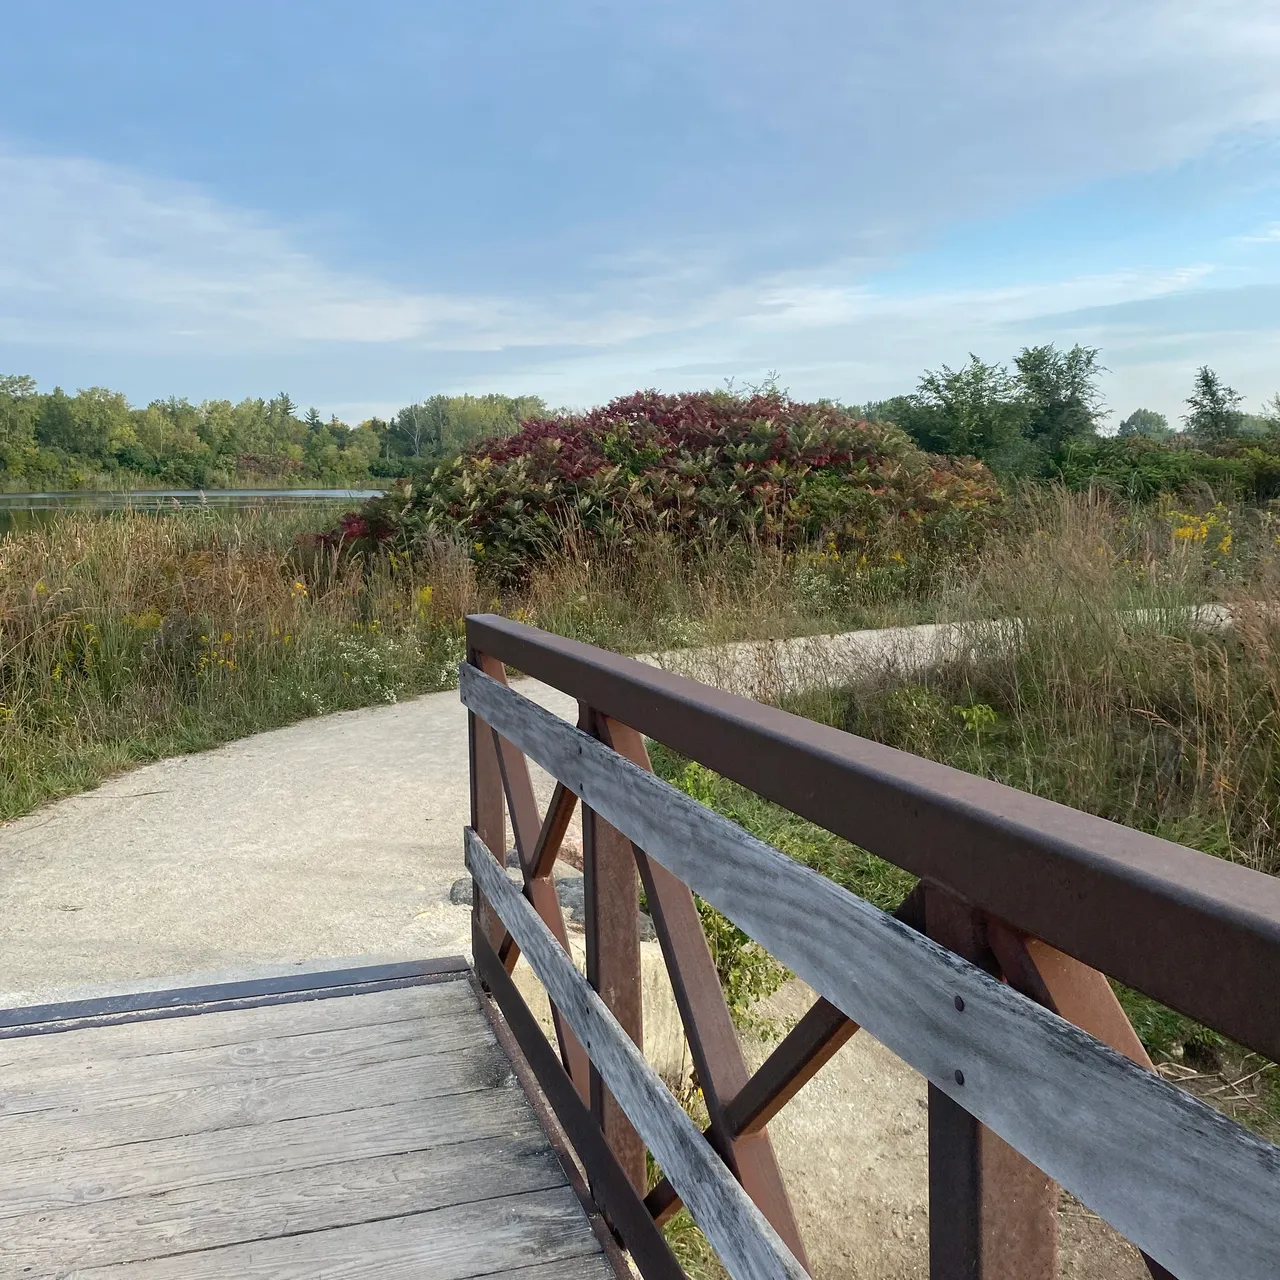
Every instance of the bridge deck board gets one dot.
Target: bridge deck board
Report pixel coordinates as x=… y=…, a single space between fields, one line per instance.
x=352 y=1130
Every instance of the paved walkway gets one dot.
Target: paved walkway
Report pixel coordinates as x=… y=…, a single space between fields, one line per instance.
x=341 y=836
x=336 y=837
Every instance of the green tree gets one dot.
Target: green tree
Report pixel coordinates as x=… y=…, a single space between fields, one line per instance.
x=977 y=409
x=418 y=429
x=19 y=408
x=1148 y=423
x=1060 y=392
x=1271 y=414
x=1213 y=408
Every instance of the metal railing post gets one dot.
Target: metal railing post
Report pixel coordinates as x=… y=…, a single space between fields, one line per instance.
x=488 y=810
x=612 y=897
x=992 y=1214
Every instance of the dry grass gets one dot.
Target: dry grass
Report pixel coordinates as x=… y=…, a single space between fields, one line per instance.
x=1103 y=687
x=129 y=637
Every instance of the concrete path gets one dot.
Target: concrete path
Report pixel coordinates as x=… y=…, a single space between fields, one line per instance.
x=341 y=836
x=335 y=837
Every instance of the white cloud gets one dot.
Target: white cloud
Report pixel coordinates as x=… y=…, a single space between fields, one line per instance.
x=801 y=304
x=96 y=255
x=987 y=99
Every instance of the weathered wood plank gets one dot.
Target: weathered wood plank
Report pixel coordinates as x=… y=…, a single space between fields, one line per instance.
x=585 y=1268
x=202 y=1159
x=1091 y=1119
x=992 y=1214
x=529 y=831
x=236 y=993
x=611 y=891
x=442 y=1244
x=713 y=1041
x=92 y=1084
x=438 y=1001
x=335 y=1195
x=746 y=1243
x=610 y=1187
x=204 y=1105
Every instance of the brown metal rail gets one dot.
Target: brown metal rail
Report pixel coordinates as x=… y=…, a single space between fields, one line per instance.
x=1039 y=895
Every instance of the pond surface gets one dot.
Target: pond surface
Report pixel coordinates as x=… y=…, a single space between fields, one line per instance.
x=22 y=510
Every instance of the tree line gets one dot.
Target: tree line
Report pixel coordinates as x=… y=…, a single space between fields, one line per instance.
x=96 y=438
x=1039 y=416
x=1023 y=419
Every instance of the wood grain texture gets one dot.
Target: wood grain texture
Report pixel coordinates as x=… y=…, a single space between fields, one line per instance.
x=610 y=1187
x=255 y=1208
x=746 y=1243
x=584 y=1268
x=992 y=1214
x=204 y=1159
x=708 y=1027
x=92 y=1083
x=442 y=1002
x=205 y=1105
x=1091 y=1119
x=531 y=833
x=1067 y=986
x=443 y=1244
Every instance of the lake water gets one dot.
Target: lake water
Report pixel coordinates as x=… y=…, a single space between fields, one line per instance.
x=21 y=510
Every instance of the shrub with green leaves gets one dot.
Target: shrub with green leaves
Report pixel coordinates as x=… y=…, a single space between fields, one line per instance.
x=700 y=467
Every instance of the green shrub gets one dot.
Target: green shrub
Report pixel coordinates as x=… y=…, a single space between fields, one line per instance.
x=1139 y=468
x=701 y=468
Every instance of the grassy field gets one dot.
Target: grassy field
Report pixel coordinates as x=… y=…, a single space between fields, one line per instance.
x=128 y=637
x=1105 y=696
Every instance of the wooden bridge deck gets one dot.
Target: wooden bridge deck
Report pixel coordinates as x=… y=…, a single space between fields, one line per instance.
x=363 y=1123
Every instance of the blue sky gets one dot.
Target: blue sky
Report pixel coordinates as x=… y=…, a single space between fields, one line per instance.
x=367 y=203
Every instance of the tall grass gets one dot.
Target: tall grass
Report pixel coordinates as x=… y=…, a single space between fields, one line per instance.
x=129 y=637
x=656 y=593
x=1086 y=670
x=1105 y=687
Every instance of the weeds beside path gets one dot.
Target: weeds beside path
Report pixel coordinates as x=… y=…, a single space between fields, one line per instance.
x=127 y=638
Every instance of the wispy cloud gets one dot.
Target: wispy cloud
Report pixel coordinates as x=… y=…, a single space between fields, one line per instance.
x=99 y=256
x=93 y=254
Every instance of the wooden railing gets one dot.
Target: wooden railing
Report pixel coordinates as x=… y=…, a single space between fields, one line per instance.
x=988 y=980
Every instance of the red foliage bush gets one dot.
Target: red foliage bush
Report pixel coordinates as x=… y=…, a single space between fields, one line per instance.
x=700 y=465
